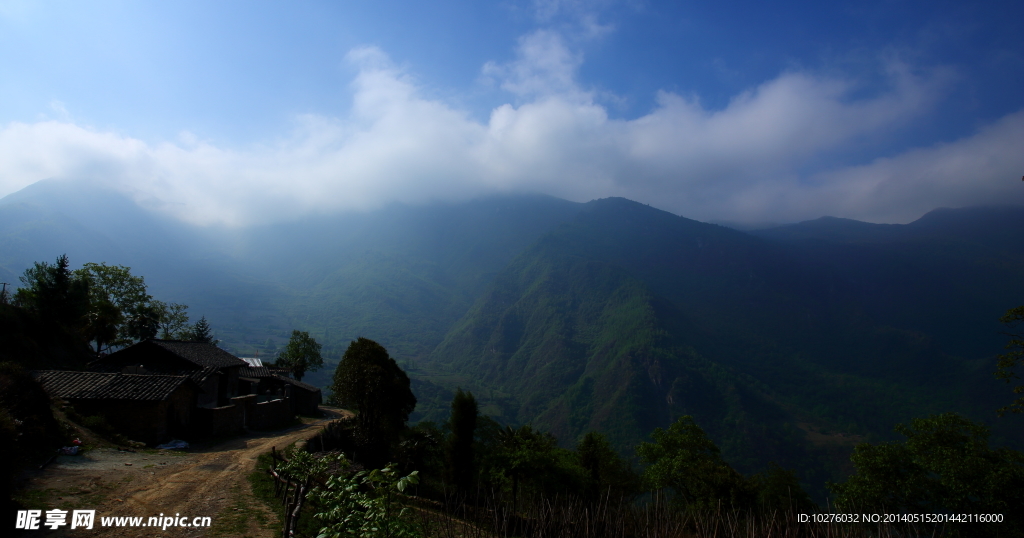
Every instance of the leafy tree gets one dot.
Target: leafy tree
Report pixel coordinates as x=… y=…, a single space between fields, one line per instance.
x=527 y=459
x=119 y=306
x=684 y=459
x=28 y=428
x=459 y=450
x=56 y=293
x=779 y=490
x=102 y=323
x=422 y=448
x=201 y=332
x=173 y=320
x=944 y=465
x=98 y=306
x=302 y=354
x=363 y=504
x=1010 y=360
x=369 y=382
x=606 y=472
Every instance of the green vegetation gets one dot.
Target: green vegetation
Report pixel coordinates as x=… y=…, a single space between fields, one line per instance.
x=29 y=430
x=791 y=345
x=369 y=382
x=234 y=519
x=262 y=485
x=55 y=293
x=103 y=306
x=364 y=504
x=300 y=355
x=790 y=348
x=605 y=472
x=199 y=332
x=526 y=485
x=1007 y=362
x=684 y=460
x=943 y=466
x=120 y=311
x=459 y=448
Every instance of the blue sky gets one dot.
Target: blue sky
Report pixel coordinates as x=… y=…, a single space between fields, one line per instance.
x=725 y=111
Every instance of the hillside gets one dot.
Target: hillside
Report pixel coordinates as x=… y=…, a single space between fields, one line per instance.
x=629 y=316
x=788 y=344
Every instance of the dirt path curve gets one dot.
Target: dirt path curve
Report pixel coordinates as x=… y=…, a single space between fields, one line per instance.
x=205 y=482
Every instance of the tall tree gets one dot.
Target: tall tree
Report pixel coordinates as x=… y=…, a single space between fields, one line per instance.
x=527 y=459
x=302 y=354
x=173 y=320
x=369 y=382
x=459 y=451
x=121 y=311
x=1009 y=361
x=944 y=465
x=56 y=293
x=99 y=306
x=201 y=332
x=606 y=472
x=684 y=459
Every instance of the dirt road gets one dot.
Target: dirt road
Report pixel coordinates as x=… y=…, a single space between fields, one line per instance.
x=204 y=482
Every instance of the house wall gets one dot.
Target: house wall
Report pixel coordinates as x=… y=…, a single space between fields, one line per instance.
x=305 y=402
x=211 y=387
x=224 y=420
x=179 y=411
x=271 y=415
x=231 y=380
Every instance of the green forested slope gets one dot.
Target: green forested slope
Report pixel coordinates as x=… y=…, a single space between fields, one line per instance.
x=789 y=344
x=628 y=317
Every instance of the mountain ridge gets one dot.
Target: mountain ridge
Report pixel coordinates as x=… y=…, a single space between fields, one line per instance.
x=608 y=315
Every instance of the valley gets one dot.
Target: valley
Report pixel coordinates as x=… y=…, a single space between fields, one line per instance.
x=788 y=344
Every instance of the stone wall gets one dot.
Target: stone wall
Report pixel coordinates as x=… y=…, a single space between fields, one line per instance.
x=216 y=421
x=271 y=415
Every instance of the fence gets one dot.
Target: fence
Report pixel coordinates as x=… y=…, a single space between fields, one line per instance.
x=291 y=492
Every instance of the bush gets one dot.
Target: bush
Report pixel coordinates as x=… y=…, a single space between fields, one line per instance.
x=944 y=466
x=27 y=425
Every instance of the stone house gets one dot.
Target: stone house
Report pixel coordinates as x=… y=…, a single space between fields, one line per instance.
x=148 y=408
x=216 y=371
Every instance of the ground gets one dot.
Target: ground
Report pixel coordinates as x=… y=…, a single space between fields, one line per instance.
x=207 y=481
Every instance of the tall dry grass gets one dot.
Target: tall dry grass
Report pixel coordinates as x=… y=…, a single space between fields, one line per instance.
x=562 y=517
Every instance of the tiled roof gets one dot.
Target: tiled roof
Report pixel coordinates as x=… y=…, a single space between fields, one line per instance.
x=254 y=371
x=297 y=383
x=198 y=375
x=108 y=386
x=201 y=374
x=200 y=353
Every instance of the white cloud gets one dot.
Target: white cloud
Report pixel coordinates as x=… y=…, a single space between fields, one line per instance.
x=746 y=162
x=545 y=67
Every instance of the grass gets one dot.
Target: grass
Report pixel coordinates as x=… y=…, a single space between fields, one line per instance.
x=68 y=498
x=36 y=497
x=570 y=518
x=234 y=519
x=263 y=489
x=567 y=518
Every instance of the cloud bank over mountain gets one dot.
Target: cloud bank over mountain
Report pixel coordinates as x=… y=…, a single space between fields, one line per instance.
x=780 y=151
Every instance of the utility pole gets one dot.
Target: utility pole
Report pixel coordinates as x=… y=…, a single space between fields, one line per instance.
x=3 y=294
